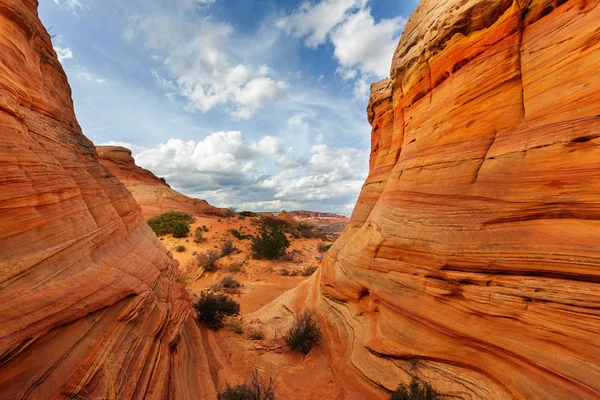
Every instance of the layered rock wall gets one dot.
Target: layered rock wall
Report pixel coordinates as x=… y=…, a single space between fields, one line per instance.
x=472 y=256
x=153 y=194
x=89 y=302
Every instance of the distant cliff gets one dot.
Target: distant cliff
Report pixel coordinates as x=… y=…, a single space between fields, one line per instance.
x=153 y=194
x=472 y=259
x=89 y=300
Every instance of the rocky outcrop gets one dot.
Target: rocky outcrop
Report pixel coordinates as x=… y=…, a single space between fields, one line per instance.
x=472 y=258
x=153 y=194
x=314 y=214
x=285 y=216
x=89 y=301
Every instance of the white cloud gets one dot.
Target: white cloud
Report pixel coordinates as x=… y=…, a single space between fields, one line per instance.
x=201 y=68
x=227 y=169
x=63 y=53
x=90 y=76
x=70 y=5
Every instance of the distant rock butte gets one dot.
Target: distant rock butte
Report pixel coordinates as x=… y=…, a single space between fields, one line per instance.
x=88 y=294
x=472 y=258
x=287 y=217
x=314 y=214
x=154 y=195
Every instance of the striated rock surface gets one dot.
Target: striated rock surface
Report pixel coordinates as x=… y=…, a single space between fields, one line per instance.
x=153 y=194
x=472 y=257
x=89 y=301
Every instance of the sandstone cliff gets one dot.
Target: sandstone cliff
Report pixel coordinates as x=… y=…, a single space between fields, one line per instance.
x=154 y=195
x=472 y=256
x=89 y=302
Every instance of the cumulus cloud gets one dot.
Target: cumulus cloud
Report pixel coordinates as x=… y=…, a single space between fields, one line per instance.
x=228 y=169
x=200 y=68
x=362 y=46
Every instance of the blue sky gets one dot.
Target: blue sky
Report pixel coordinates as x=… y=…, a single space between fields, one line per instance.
x=258 y=104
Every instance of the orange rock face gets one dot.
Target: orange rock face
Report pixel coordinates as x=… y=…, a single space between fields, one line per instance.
x=472 y=258
x=154 y=195
x=89 y=302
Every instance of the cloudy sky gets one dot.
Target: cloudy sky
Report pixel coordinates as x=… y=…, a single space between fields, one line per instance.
x=258 y=104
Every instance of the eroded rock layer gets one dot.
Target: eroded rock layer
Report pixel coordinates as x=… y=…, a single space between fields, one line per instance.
x=89 y=302
x=472 y=258
x=153 y=194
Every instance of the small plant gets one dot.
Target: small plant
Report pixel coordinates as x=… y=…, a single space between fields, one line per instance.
x=228 y=248
x=304 y=334
x=237 y=268
x=248 y=214
x=212 y=308
x=256 y=334
x=208 y=260
x=323 y=247
x=165 y=223
x=230 y=282
x=238 y=235
x=235 y=324
x=306 y=230
x=230 y=212
x=270 y=243
x=180 y=248
x=257 y=389
x=198 y=235
x=417 y=389
x=308 y=271
x=205 y=228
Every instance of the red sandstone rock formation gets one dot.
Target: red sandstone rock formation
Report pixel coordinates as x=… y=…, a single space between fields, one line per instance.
x=314 y=214
x=285 y=216
x=88 y=295
x=154 y=195
x=472 y=256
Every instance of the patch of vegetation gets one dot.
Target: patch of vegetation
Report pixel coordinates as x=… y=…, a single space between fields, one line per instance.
x=237 y=268
x=212 y=308
x=238 y=235
x=270 y=243
x=256 y=334
x=248 y=214
x=180 y=248
x=180 y=229
x=256 y=389
x=198 y=235
x=168 y=222
x=205 y=228
x=230 y=282
x=417 y=389
x=235 y=324
x=208 y=260
x=230 y=212
x=323 y=247
x=228 y=248
x=304 y=334
x=308 y=271
x=306 y=230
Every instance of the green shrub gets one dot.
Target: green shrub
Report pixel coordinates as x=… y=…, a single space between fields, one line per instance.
x=323 y=247
x=306 y=230
x=164 y=224
x=180 y=229
x=198 y=235
x=212 y=308
x=208 y=260
x=227 y=248
x=257 y=389
x=304 y=333
x=270 y=243
x=416 y=390
x=238 y=235
x=248 y=214
x=180 y=248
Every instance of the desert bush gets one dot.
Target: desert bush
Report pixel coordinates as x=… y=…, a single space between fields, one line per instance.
x=304 y=334
x=306 y=230
x=247 y=214
x=417 y=389
x=256 y=334
x=230 y=212
x=270 y=243
x=238 y=235
x=235 y=324
x=323 y=247
x=205 y=228
x=198 y=235
x=212 y=308
x=165 y=223
x=208 y=260
x=228 y=248
x=180 y=229
x=237 y=268
x=308 y=271
x=180 y=248
x=230 y=282
x=256 y=389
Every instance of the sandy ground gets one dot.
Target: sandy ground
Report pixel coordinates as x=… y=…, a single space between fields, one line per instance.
x=236 y=355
